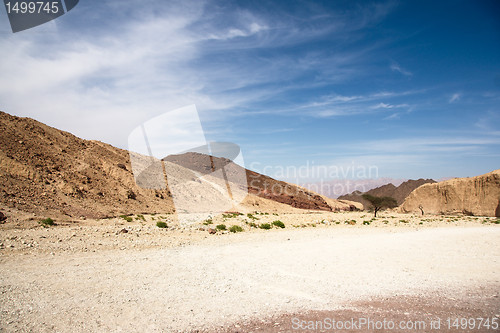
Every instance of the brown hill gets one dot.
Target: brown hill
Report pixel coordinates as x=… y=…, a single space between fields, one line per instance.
x=258 y=184
x=389 y=190
x=48 y=171
x=51 y=172
x=478 y=195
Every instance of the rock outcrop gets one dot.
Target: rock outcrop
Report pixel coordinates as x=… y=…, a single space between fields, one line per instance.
x=478 y=195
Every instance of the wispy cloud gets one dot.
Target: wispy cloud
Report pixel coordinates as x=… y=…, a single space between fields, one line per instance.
x=395 y=67
x=393 y=116
x=339 y=105
x=167 y=57
x=455 y=97
x=389 y=106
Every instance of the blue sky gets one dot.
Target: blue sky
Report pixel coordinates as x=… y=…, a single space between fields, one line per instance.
x=410 y=87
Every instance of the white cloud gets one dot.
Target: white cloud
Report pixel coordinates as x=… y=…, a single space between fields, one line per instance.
x=101 y=86
x=101 y=80
x=389 y=106
x=395 y=67
x=455 y=97
x=393 y=116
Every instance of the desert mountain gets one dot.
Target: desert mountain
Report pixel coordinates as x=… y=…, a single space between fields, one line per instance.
x=261 y=185
x=47 y=171
x=478 y=195
x=389 y=190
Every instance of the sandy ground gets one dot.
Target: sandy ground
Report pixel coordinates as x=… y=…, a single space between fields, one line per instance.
x=89 y=276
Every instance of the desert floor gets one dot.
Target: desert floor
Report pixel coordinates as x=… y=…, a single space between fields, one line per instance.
x=118 y=276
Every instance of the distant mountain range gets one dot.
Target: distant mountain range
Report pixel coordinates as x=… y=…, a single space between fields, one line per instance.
x=400 y=193
x=338 y=187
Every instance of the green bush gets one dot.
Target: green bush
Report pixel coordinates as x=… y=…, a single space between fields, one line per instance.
x=251 y=216
x=496 y=221
x=126 y=218
x=161 y=224
x=279 y=224
x=47 y=222
x=253 y=225
x=236 y=228
x=140 y=217
x=221 y=227
x=265 y=226
x=403 y=221
x=366 y=222
x=208 y=221
x=231 y=215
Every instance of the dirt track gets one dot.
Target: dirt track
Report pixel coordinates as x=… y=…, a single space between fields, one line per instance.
x=229 y=280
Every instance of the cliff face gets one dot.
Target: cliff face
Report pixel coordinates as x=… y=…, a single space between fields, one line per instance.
x=478 y=195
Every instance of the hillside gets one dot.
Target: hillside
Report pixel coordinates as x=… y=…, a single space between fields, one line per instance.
x=389 y=190
x=478 y=195
x=50 y=172
x=258 y=184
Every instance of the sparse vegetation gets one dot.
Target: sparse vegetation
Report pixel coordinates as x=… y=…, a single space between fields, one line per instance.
x=140 y=217
x=496 y=221
x=265 y=226
x=250 y=216
x=379 y=203
x=236 y=228
x=403 y=221
x=467 y=213
x=161 y=224
x=230 y=215
x=47 y=222
x=221 y=227
x=208 y=222
x=253 y=225
x=279 y=224
x=127 y=218
x=366 y=222
x=131 y=195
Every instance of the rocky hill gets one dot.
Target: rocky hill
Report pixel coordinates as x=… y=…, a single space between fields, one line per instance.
x=389 y=190
x=51 y=172
x=261 y=185
x=478 y=195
